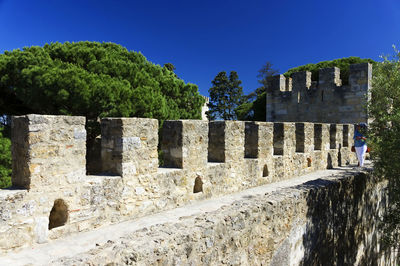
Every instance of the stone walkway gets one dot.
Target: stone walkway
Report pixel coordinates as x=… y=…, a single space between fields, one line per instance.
x=43 y=254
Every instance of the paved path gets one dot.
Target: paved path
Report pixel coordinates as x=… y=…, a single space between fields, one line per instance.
x=43 y=254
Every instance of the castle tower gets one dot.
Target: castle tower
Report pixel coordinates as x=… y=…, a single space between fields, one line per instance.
x=328 y=100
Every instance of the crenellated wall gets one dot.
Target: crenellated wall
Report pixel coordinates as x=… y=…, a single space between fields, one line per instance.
x=202 y=160
x=299 y=99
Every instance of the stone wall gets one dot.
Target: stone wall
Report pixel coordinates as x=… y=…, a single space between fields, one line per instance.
x=53 y=197
x=328 y=221
x=299 y=99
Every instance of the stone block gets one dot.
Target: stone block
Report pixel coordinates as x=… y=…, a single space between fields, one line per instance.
x=46 y=148
x=226 y=141
x=129 y=146
x=184 y=144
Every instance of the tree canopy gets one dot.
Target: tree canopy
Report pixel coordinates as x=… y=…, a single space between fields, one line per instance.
x=94 y=80
x=253 y=105
x=384 y=131
x=225 y=96
x=90 y=79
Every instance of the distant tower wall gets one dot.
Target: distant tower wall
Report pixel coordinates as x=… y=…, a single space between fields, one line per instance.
x=299 y=99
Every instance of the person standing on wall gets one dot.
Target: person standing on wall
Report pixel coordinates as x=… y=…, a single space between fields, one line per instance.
x=360 y=142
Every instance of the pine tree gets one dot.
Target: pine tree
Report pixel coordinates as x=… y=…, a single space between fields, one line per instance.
x=226 y=95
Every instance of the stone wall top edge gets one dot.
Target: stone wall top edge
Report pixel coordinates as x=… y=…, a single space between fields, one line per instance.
x=34 y=117
x=355 y=67
x=128 y=118
x=302 y=79
x=189 y=121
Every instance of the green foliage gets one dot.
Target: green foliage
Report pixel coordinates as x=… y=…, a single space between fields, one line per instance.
x=264 y=74
x=253 y=106
x=342 y=63
x=170 y=67
x=225 y=96
x=384 y=130
x=94 y=80
x=5 y=160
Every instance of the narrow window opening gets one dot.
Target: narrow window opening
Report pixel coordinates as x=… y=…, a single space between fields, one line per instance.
x=317 y=137
x=216 y=141
x=278 y=139
x=298 y=97
x=93 y=147
x=345 y=135
x=309 y=161
x=300 y=137
x=265 y=171
x=322 y=96
x=332 y=137
x=58 y=214
x=251 y=140
x=198 y=185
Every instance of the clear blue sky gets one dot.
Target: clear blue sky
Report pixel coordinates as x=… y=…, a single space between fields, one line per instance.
x=202 y=38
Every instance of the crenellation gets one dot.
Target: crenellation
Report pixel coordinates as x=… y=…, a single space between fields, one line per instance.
x=277 y=83
x=300 y=137
x=226 y=141
x=360 y=76
x=323 y=101
x=205 y=160
x=329 y=77
x=251 y=140
x=184 y=144
x=48 y=150
x=129 y=146
x=301 y=80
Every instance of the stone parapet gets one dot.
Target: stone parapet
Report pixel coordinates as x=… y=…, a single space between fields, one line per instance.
x=332 y=219
x=129 y=146
x=201 y=160
x=184 y=144
x=48 y=151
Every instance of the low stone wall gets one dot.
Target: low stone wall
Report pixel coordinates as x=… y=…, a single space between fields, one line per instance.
x=328 y=221
x=53 y=197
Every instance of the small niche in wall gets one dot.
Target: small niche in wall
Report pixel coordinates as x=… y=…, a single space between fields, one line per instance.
x=198 y=185
x=58 y=214
x=309 y=162
x=265 y=171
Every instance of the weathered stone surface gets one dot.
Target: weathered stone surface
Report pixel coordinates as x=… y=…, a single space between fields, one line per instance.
x=46 y=149
x=129 y=146
x=260 y=154
x=291 y=226
x=327 y=102
x=184 y=144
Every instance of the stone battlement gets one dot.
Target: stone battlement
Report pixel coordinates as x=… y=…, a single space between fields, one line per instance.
x=202 y=160
x=298 y=98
